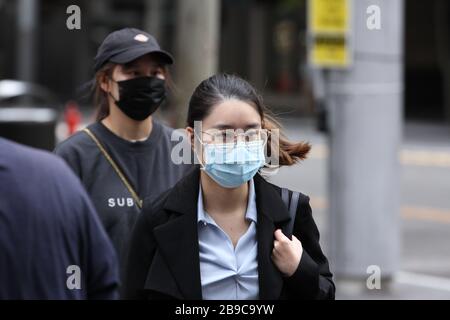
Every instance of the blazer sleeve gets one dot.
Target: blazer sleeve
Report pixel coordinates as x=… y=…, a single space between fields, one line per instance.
x=140 y=255
x=312 y=279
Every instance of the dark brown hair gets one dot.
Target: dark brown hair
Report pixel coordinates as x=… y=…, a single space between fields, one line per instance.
x=218 y=88
x=100 y=96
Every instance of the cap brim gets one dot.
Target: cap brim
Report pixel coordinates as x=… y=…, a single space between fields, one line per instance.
x=135 y=53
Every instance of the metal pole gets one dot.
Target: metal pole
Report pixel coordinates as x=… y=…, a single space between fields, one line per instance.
x=365 y=122
x=198 y=26
x=27 y=21
x=153 y=17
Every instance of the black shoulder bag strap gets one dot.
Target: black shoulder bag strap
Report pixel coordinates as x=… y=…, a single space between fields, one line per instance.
x=291 y=205
x=116 y=168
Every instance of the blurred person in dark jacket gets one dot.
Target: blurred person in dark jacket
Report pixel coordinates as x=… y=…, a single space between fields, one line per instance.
x=52 y=244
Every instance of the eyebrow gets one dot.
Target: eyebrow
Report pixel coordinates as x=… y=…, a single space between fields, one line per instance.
x=130 y=65
x=226 y=126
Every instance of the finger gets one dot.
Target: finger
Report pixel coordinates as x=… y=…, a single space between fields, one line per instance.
x=276 y=249
x=276 y=252
x=276 y=257
x=295 y=239
x=276 y=244
x=279 y=235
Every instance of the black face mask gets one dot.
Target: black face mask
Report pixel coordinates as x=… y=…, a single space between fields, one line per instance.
x=140 y=97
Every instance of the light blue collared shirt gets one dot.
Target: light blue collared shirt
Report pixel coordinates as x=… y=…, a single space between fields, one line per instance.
x=228 y=273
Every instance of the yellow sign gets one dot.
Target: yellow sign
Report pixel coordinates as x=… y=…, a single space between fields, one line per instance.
x=329 y=15
x=329 y=32
x=330 y=51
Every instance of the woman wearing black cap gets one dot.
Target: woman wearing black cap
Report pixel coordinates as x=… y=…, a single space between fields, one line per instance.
x=125 y=156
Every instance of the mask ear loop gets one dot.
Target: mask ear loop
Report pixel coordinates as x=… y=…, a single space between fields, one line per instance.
x=109 y=92
x=202 y=166
x=266 y=141
x=264 y=145
x=268 y=169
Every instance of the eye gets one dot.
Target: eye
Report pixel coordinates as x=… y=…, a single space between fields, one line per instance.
x=132 y=73
x=157 y=72
x=228 y=136
x=251 y=135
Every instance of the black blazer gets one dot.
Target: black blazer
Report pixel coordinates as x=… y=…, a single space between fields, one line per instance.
x=164 y=261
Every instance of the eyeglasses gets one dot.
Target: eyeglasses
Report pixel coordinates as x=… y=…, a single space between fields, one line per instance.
x=216 y=136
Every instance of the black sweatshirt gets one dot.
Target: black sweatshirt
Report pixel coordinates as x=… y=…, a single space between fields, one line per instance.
x=146 y=164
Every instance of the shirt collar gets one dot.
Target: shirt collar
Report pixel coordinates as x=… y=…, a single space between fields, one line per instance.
x=250 y=214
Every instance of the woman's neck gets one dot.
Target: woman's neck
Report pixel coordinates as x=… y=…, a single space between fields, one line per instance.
x=217 y=199
x=127 y=128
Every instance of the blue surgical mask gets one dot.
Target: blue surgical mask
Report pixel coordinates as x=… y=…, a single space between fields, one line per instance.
x=233 y=164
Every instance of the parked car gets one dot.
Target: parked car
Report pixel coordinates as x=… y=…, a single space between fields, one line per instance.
x=28 y=113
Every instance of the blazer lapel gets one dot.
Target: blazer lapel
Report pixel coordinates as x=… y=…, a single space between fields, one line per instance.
x=178 y=238
x=272 y=213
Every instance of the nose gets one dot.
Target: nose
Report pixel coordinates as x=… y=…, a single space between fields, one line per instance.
x=240 y=137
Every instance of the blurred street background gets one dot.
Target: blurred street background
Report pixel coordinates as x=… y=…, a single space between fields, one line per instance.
x=367 y=83
x=424 y=271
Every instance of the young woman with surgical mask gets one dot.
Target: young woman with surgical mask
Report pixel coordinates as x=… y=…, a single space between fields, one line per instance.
x=125 y=156
x=221 y=232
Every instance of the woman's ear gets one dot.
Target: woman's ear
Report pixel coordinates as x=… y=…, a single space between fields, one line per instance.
x=104 y=82
x=190 y=134
x=197 y=148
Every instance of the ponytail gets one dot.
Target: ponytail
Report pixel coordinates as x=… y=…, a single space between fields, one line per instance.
x=289 y=152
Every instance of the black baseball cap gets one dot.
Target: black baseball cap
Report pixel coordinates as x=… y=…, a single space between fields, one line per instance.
x=125 y=45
